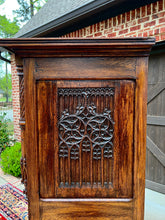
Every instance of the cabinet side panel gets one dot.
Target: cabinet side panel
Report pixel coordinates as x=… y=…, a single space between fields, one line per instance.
x=140 y=137
x=31 y=140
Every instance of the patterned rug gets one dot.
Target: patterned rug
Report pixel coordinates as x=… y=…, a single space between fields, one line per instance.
x=13 y=204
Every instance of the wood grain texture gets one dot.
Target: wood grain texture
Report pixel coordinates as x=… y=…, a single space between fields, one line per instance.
x=156 y=90
x=125 y=108
x=155 y=170
x=140 y=137
x=155 y=186
x=77 y=69
x=45 y=106
x=22 y=124
x=156 y=120
x=86 y=210
x=104 y=172
x=85 y=68
x=156 y=151
x=77 y=47
x=31 y=141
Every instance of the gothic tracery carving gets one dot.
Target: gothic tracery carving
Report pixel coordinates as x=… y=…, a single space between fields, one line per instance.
x=84 y=129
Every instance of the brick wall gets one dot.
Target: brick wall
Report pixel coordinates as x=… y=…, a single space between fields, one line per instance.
x=145 y=21
x=16 y=104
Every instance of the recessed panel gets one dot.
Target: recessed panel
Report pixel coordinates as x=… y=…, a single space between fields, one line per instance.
x=86 y=130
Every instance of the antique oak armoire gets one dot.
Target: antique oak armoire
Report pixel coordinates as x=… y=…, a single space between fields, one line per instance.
x=83 y=122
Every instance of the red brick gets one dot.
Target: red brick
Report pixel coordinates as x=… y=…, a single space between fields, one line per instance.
x=140 y=34
x=130 y=24
x=143 y=11
x=121 y=36
x=133 y=14
x=123 y=16
x=162 y=37
x=119 y=27
x=157 y=38
x=148 y=9
x=123 y=31
x=162 y=30
x=73 y=34
x=160 y=5
x=154 y=7
x=156 y=31
x=110 y=22
x=151 y=33
x=138 y=13
x=106 y=24
x=98 y=34
x=128 y=16
x=102 y=26
x=160 y=14
x=98 y=27
x=112 y=35
x=130 y=34
x=149 y=24
x=145 y=34
x=90 y=36
x=154 y=16
x=109 y=31
x=80 y=32
x=114 y=21
x=135 y=28
x=161 y=20
x=119 y=19
x=87 y=30
x=84 y=32
x=94 y=28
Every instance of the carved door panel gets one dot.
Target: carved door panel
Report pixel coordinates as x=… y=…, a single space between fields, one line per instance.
x=85 y=138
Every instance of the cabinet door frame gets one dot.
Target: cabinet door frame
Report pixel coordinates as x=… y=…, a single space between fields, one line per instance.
x=121 y=94
x=139 y=138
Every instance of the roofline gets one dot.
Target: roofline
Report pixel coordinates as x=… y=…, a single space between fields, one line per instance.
x=158 y=48
x=80 y=17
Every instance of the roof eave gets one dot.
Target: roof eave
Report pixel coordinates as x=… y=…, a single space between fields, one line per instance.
x=80 y=17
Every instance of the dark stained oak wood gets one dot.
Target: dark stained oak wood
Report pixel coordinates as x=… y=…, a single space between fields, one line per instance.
x=59 y=47
x=31 y=141
x=140 y=137
x=46 y=137
x=85 y=126
x=85 y=68
x=86 y=210
x=125 y=107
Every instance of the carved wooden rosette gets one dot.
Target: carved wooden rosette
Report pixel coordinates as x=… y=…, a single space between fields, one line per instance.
x=22 y=125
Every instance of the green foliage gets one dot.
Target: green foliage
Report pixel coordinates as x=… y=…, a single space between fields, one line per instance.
x=6 y=84
x=2 y=1
x=8 y=28
x=27 y=9
x=4 y=134
x=10 y=160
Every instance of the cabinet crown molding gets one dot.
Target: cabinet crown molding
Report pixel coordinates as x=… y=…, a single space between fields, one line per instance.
x=78 y=47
